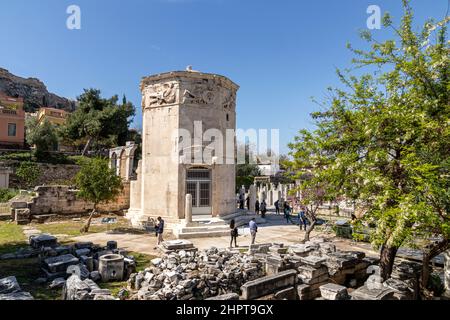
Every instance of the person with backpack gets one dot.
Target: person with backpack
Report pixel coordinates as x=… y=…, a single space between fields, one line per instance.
x=233 y=233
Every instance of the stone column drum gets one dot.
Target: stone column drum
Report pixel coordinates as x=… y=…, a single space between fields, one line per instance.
x=111 y=267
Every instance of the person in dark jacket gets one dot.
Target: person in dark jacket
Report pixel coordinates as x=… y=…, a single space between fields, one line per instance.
x=302 y=221
x=277 y=207
x=263 y=208
x=257 y=207
x=287 y=213
x=233 y=233
x=159 y=229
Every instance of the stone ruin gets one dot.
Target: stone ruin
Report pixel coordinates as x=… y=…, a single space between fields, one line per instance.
x=272 y=271
x=186 y=275
x=75 y=268
x=10 y=290
x=314 y=270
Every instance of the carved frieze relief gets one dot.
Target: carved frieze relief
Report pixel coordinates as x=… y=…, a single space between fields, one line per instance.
x=160 y=94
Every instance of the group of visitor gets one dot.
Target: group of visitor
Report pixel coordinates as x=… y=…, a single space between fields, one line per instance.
x=234 y=232
x=259 y=207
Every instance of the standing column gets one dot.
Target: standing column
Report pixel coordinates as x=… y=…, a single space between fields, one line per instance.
x=188 y=210
x=270 y=198
x=252 y=195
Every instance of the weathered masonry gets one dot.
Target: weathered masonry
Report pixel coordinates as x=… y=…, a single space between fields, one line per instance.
x=180 y=101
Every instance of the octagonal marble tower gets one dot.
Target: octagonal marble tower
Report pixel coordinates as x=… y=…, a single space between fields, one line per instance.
x=181 y=100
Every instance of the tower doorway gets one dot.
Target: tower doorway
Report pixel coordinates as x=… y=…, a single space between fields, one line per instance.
x=198 y=184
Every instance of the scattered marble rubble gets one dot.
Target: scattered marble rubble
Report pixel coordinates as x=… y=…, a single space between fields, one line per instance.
x=322 y=272
x=11 y=290
x=187 y=275
x=83 y=263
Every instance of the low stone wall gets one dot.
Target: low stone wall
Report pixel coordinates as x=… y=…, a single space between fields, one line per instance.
x=51 y=174
x=62 y=201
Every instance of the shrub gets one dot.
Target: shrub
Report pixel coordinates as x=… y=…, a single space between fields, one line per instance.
x=28 y=173
x=7 y=194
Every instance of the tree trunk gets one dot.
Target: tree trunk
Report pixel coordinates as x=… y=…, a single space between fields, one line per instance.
x=387 y=258
x=425 y=271
x=87 y=225
x=86 y=147
x=428 y=254
x=309 y=230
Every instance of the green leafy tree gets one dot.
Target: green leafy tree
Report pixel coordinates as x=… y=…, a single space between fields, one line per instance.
x=309 y=167
x=43 y=136
x=384 y=140
x=98 y=122
x=246 y=172
x=28 y=173
x=97 y=183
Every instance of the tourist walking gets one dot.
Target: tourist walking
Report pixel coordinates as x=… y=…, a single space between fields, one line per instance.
x=233 y=233
x=248 y=203
x=241 y=201
x=253 y=229
x=302 y=221
x=257 y=207
x=263 y=208
x=277 y=207
x=159 y=232
x=287 y=213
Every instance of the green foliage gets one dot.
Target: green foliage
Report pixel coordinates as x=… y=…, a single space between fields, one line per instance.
x=384 y=141
x=17 y=156
x=436 y=285
x=98 y=121
x=53 y=158
x=247 y=170
x=28 y=173
x=244 y=181
x=7 y=194
x=97 y=182
x=43 y=136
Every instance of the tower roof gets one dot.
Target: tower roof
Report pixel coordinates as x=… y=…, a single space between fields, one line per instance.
x=174 y=75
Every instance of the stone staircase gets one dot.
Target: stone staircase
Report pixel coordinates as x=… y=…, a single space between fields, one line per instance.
x=204 y=227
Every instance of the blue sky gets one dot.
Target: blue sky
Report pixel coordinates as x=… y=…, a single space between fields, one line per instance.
x=280 y=52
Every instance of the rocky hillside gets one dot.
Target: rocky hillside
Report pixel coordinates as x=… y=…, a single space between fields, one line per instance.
x=33 y=91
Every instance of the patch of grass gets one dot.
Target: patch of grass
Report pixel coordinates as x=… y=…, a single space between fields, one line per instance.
x=114 y=287
x=26 y=271
x=72 y=228
x=11 y=237
x=142 y=260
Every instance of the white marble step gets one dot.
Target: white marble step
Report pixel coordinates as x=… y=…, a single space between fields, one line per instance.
x=203 y=234
x=215 y=228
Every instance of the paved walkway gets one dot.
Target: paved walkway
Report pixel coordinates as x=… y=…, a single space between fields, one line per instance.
x=276 y=230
